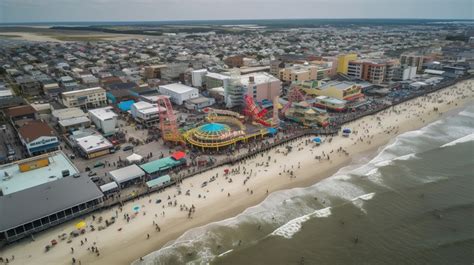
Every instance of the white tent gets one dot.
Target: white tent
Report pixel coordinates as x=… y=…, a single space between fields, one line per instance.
x=134 y=158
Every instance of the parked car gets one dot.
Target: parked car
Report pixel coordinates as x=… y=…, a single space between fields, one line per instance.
x=128 y=147
x=99 y=164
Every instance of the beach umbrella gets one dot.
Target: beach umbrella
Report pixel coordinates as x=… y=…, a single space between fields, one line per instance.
x=317 y=140
x=346 y=130
x=136 y=208
x=81 y=225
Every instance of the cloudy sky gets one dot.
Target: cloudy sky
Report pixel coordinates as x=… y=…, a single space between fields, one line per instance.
x=153 y=10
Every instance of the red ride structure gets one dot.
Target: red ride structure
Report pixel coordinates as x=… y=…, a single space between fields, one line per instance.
x=168 y=121
x=251 y=110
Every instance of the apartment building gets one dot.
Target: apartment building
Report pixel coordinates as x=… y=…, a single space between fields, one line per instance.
x=412 y=60
x=374 y=71
x=94 y=97
x=343 y=62
x=299 y=72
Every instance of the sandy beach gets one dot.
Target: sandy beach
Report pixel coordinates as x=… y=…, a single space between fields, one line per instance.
x=252 y=180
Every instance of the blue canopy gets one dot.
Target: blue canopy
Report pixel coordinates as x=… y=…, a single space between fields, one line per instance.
x=346 y=130
x=317 y=140
x=272 y=131
x=125 y=105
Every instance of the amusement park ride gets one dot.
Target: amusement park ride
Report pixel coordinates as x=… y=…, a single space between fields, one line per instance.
x=168 y=122
x=294 y=95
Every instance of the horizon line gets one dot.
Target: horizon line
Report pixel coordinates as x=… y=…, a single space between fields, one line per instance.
x=235 y=19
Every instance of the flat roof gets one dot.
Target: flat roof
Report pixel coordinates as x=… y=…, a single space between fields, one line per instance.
x=331 y=100
x=158 y=181
x=217 y=76
x=178 y=88
x=18 y=181
x=259 y=78
x=103 y=113
x=92 y=143
x=73 y=121
x=160 y=164
x=42 y=200
x=84 y=90
x=127 y=173
x=338 y=85
x=109 y=186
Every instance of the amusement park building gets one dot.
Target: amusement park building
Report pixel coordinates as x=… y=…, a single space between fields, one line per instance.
x=340 y=90
x=178 y=93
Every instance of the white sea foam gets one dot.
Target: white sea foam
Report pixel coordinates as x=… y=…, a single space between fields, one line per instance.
x=225 y=253
x=467 y=138
x=365 y=197
x=292 y=227
x=283 y=205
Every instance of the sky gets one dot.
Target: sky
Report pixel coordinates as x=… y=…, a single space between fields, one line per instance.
x=13 y=11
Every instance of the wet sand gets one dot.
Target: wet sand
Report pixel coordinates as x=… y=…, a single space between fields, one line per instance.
x=305 y=165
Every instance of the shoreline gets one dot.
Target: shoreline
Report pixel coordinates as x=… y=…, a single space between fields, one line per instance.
x=413 y=114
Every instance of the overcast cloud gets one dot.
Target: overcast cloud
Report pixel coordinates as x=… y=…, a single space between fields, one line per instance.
x=153 y=10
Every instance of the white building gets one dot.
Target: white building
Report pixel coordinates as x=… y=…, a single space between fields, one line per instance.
x=178 y=93
x=105 y=119
x=199 y=103
x=145 y=112
x=93 y=145
x=87 y=98
x=198 y=77
x=408 y=72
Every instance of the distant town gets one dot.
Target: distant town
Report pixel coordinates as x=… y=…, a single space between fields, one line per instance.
x=90 y=122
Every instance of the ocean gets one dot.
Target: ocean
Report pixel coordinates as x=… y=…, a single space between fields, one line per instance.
x=413 y=203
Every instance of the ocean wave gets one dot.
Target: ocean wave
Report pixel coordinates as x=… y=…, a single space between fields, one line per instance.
x=288 y=207
x=292 y=227
x=467 y=138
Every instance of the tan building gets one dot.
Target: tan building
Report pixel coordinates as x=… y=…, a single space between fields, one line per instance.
x=374 y=71
x=340 y=90
x=412 y=60
x=299 y=72
x=154 y=71
x=86 y=98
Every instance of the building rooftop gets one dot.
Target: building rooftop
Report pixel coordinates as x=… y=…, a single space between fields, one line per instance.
x=127 y=173
x=73 y=121
x=20 y=111
x=103 y=113
x=42 y=200
x=217 y=76
x=92 y=143
x=68 y=113
x=33 y=130
x=160 y=164
x=337 y=85
x=13 y=180
x=259 y=78
x=178 y=88
x=86 y=90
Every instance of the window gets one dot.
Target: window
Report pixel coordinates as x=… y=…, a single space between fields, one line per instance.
x=68 y=212
x=19 y=230
x=53 y=217
x=60 y=215
x=28 y=226
x=37 y=223
x=11 y=232
x=45 y=220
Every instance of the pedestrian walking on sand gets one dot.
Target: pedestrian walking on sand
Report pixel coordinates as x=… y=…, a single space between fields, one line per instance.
x=147 y=236
x=72 y=250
